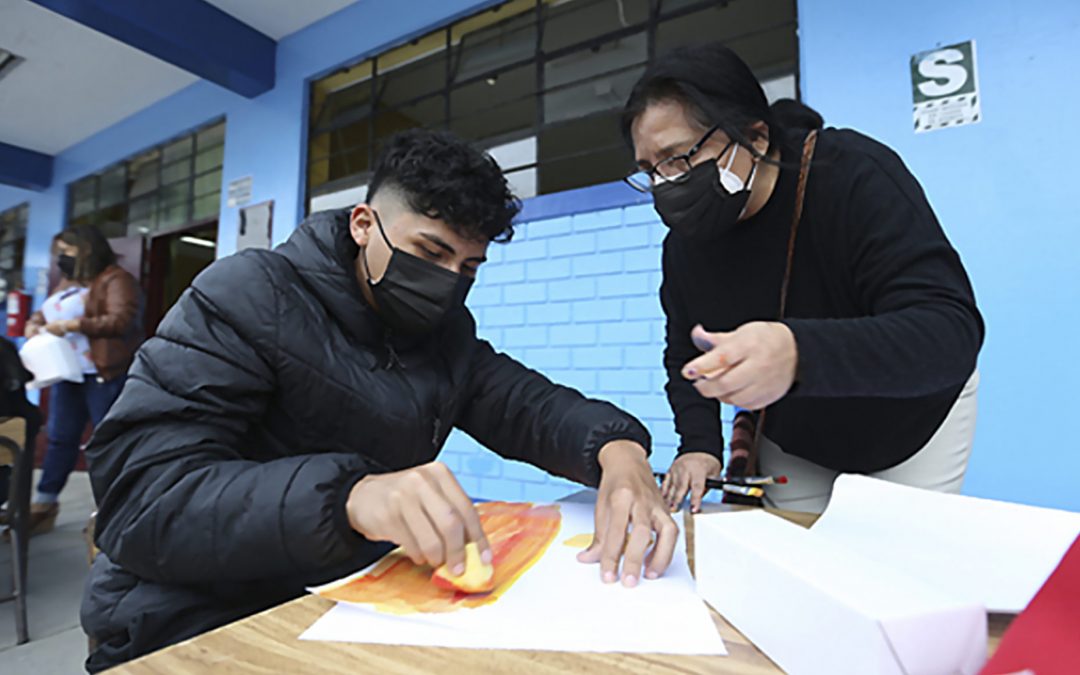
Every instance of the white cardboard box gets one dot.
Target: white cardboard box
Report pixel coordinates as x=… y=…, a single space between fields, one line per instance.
x=814 y=606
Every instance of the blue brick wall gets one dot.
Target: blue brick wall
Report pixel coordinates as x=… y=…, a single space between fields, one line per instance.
x=577 y=298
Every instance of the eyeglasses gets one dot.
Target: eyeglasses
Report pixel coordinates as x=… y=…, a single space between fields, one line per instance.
x=672 y=169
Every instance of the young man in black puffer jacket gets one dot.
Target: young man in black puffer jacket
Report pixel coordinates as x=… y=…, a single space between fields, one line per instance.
x=281 y=428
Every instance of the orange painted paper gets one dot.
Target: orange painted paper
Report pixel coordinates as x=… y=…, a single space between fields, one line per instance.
x=519 y=533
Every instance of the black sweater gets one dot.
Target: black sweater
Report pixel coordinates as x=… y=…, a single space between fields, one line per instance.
x=882 y=310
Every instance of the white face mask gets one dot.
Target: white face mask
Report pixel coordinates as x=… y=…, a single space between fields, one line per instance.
x=731 y=181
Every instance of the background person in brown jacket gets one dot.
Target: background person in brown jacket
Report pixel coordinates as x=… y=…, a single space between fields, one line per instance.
x=111 y=330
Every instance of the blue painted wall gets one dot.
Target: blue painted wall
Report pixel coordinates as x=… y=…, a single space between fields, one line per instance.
x=1004 y=189
x=576 y=297
x=575 y=293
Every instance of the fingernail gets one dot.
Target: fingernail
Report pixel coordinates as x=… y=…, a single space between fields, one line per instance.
x=487 y=556
x=651 y=574
x=609 y=577
x=629 y=581
x=459 y=569
x=691 y=372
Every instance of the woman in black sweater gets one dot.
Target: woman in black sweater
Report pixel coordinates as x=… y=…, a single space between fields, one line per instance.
x=849 y=317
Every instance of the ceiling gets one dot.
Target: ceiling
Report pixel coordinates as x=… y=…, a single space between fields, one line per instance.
x=278 y=18
x=68 y=87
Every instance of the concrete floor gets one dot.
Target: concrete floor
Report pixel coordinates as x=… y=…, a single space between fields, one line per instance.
x=57 y=571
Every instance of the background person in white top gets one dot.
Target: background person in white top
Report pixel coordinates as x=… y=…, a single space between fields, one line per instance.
x=71 y=404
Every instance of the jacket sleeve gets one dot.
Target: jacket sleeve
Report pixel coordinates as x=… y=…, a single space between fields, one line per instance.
x=180 y=502
x=697 y=419
x=522 y=415
x=121 y=306
x=921 y=332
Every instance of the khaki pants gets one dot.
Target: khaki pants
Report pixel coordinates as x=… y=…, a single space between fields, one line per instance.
x=940 y=465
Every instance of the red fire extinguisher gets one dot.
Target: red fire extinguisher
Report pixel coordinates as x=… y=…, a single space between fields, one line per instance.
x=18 y=312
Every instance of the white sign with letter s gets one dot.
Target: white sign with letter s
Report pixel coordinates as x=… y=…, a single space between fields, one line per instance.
x=945 y=87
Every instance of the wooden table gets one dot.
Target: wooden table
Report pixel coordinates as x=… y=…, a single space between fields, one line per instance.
x=267 y=643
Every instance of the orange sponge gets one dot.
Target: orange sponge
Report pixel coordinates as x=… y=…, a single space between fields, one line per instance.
x=478 y=577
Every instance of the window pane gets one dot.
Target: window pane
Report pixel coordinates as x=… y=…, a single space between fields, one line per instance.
x=487 y=109
x=172 y=215
x=113 y=186
x=112 y=220
x=518 y=161
x=582 y=152
x=493 y=47
x=207 y=206
x=142 y=209
x=82 y=196
x=209 y=159
x=206 y=183
x=211 y=136
x=176 y=193
x=606 y=75
x=761 y=32
x=143 y=173
x=142 y=215
x=595 y=61
x=344 y=107
x=406 y=83
x=170 y=173
x=348 y=163
x=582 y=20
x=769 y=54
x=669 y=6
x=429 y=113
x=12 y=248
x=176 y=150
x=174 y=205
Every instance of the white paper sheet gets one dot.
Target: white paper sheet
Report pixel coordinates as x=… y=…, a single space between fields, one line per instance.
x=992 y=552
x=558 y=604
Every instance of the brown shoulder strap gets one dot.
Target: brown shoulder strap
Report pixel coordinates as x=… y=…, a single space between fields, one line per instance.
x=796 y=216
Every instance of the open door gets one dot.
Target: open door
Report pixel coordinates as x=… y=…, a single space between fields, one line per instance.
x=175 y=259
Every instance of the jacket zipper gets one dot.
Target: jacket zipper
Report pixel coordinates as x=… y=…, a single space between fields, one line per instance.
x=393 y=360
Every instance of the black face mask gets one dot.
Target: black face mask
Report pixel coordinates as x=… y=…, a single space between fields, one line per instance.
x=66 y=264
x=414 y=295
x=698 y=206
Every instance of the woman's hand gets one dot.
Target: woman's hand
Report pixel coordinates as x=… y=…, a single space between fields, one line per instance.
x=751 y=367
x=62 y=328
x=57 y=328
x=687 y=474
x=629 y=499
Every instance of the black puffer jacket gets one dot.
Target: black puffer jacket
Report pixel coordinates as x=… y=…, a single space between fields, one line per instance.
x=222 y=471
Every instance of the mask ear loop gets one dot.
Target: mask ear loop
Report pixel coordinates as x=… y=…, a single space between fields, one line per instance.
x=757 y=157
x=367 y=269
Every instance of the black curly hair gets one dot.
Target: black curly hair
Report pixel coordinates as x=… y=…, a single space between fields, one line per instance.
x=440 y=176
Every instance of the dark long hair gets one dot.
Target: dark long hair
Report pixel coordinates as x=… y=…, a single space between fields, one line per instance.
x=95 y=254
x=715 y=87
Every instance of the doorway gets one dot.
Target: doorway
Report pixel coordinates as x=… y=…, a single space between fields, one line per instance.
x=175 y=260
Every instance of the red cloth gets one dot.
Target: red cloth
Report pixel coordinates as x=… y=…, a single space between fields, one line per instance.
x=1045 y=638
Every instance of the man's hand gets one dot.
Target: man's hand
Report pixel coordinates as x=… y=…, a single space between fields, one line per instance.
x=32 y=329
x=751 y=367
x=688 y=473
x=423 y=510
x=629 y=498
